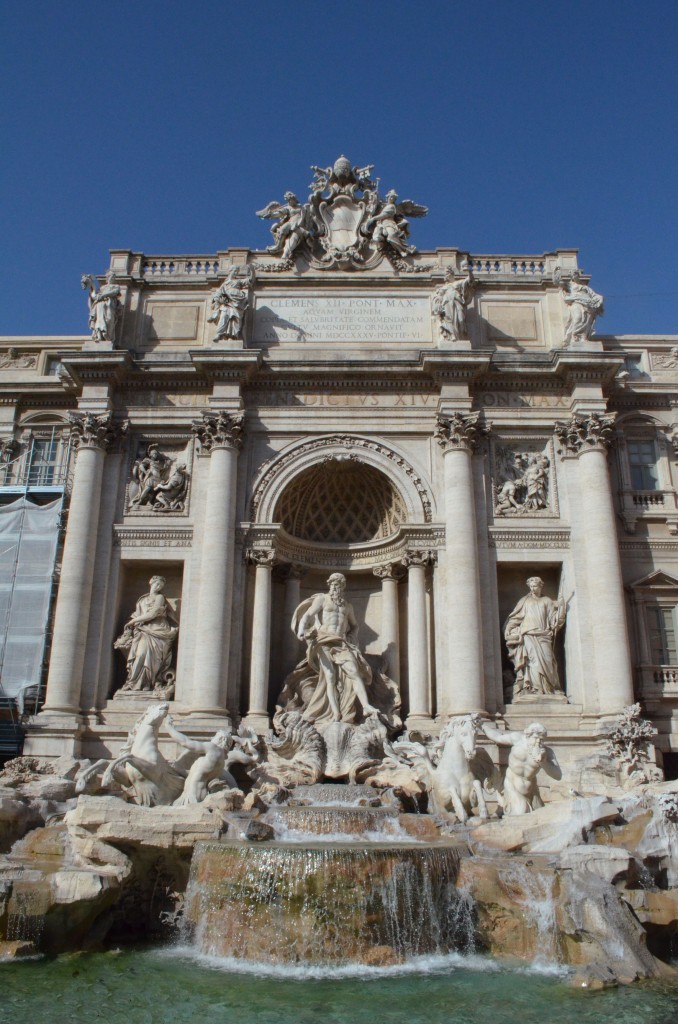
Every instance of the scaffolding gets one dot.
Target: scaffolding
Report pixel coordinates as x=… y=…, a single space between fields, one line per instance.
x=29 y=538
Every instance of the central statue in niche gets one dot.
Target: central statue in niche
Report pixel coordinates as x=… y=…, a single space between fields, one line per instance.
x=340 y=673
x=335 y=710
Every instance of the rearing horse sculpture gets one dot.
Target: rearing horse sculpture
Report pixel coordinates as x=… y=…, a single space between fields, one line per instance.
x=453 y=769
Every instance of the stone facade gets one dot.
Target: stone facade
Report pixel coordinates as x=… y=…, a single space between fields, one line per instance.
x=327 y=407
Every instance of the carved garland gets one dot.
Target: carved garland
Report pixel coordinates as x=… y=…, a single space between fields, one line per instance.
x=272 y=468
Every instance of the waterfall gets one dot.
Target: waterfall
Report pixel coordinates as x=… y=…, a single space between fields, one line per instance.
x=287 y=903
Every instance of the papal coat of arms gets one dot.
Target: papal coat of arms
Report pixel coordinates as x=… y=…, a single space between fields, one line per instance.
x=345 y=221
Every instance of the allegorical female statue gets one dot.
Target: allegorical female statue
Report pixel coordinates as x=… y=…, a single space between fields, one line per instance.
x=148 y=638
x=530 y=633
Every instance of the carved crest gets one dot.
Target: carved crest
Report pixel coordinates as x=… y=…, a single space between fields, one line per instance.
x=344 y=223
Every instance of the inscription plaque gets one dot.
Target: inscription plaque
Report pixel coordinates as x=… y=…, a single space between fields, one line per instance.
x=349 y=318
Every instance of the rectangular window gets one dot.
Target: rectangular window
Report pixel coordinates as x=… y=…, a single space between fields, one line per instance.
x=43 y=462
x=643 y=465
x=662 y=636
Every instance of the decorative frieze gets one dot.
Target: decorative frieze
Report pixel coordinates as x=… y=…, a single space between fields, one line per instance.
x=13 y=359
x=389 y=571
x=584 y=433
x=219 y=430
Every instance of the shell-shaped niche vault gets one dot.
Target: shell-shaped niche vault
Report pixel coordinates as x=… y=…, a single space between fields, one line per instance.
x=341 y=502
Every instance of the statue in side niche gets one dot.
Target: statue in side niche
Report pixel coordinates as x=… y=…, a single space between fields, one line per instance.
x=105 y=308
x=449 y=302
x=583 y=305
x=520 y=792
x=229 y=304
x=530 y=632
x=148 y=639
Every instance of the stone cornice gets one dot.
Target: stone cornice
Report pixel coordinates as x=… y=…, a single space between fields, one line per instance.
x=92 y=367
x=227 y=365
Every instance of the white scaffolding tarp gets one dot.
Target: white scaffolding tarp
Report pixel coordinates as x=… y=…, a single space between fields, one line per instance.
x=29 y=535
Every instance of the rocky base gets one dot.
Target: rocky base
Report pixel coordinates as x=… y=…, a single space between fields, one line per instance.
x=589 y=882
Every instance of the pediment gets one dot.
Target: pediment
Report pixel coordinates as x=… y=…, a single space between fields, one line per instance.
x=657 y=580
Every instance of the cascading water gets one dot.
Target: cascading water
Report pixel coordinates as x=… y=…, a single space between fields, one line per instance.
x=286 y=903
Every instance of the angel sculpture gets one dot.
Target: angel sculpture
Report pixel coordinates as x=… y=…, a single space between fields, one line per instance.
x=451 y=768
x=390 y=227
x=293 y=225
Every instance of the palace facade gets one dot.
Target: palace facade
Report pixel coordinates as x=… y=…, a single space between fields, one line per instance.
x=437 y=426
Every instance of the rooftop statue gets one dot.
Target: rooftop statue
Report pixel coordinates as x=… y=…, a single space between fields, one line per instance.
x=229 y=304
x=345 y=222
x=105 y=308
x=583 y=304
x=449 y=303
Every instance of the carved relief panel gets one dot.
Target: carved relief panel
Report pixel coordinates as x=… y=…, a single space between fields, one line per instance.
x=159 y=477
x=523 y=478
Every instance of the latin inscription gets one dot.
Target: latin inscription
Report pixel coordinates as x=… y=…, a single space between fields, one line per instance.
x=316 y=320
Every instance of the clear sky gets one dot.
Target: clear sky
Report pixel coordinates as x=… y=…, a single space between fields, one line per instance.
x=163 y=126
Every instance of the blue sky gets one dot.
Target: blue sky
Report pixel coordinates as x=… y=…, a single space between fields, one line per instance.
x=163 y=126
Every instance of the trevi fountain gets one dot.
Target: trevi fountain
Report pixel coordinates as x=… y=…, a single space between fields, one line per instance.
x=359 y=702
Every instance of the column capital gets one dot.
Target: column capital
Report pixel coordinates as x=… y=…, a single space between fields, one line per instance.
x=420 y=558
x=390 y=571
x=585 y=433
x=260 y=556
x=8 y=449
x=458 y=432
x=219 y=430
x=96 y=430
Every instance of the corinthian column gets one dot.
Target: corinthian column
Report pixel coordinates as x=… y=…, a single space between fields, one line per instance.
x=390 y=575
x=260 y=662
x=291 y=645
x=92 y=435
x=463 y=689
x=220 y=436
x=417 y=639
x=587 y=438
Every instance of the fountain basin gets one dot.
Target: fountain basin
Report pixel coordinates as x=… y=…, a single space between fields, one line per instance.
x=316 y=904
